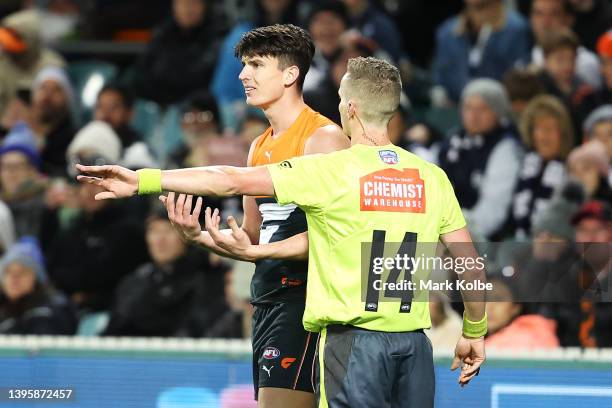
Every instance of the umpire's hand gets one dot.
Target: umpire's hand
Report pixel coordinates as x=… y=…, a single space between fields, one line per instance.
x=469 y=355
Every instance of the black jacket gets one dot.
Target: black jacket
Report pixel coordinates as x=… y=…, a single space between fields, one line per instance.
x=53 y=155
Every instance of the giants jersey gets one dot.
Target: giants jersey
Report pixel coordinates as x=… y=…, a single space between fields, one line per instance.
x=280 y=280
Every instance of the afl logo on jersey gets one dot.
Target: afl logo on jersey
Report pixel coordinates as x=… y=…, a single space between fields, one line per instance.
x=388 y=156
x=270 y=353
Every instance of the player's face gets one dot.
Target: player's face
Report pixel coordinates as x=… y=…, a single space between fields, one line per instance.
x=262 y=79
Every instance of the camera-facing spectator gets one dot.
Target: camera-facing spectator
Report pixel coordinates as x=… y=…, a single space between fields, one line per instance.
x=182 y=54
x=51 y=121
x=7 y=228
x=105 y=241
x=589 y=164
x=115 y=106
x=28 y=305
x=522 y=86
x=559 y=74
x=553 y=15
x=178 y=293
x=548 y=134
x=21 y=184
x=23 y=54
x=483 y=158
x=485 y=40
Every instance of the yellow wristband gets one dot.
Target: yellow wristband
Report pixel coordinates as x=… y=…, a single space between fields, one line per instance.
x=475 y=329
x=149 y=181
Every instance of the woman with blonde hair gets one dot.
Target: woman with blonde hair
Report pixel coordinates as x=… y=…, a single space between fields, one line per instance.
x=547 y=132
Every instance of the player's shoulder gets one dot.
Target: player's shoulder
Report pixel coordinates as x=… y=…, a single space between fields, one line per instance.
x=326 y=139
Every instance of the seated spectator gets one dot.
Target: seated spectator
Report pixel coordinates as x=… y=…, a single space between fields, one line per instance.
x=253 y=125
x=598 y=126
x=181 y=56
x=591 y=19
x=522 y=86
x=485 y=40
x=7 y=228
x=115 y=106
x=559 y=74
x=554 y=15
x=52 y=99
x=583 y=308
x=327 y=23
x=509 y=329
x=589 y=164
x=176 y=294
x=225 y=84
x=21 y=185
x=548 y=134
x=28 y=305
x=446 y=324
x=424 y=140
x=23 y=54
x=105 y=241
x=483 y=158
x=603 y=96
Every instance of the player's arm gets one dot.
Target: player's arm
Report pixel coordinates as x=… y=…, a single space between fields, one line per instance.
x=326 y=139
x=469 y=352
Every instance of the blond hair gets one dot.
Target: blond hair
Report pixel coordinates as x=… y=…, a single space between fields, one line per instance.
x=550 y=106
x=376 y=86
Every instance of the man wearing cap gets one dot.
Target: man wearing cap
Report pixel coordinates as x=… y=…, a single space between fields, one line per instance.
x=21 y=186
x=23 y=54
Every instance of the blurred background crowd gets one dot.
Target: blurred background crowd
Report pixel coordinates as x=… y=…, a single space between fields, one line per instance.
x=513 y=99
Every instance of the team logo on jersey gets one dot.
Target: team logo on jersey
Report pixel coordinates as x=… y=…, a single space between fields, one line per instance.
x=287 y=361
x=270 y=353
x=393 y=190
x=388 y=156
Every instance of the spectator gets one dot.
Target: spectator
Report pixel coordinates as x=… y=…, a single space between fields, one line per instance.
x=326 y=24
x=115 y=106
x=27 y=303
x=582 y=309
x=589 y=164
x=105 y=241
x=483 y=158
x=522 y=86
x=21 y=185
x=509 y=329
x=176 y=294
x=7 y=228
x=485 y=40
x=424 y=140
x=603 y=96
x=226 y=86
x=374 y=24
x=52 y=99
x=23 y=54
x=445 y=323
x=548 y=134
x=559 y=74
x=598 y=126
x=591 y=19
x=181 y=56
x=553 y=15
x=253 y=125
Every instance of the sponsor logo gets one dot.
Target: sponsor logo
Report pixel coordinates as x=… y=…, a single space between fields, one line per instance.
x=291 y=282
x=286 y=164
x=271 y=353
x=393 y=190
x=267 y=370
x=388 y=156
x=287 y=361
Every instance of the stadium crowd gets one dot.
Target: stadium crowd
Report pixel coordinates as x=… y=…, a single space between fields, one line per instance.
x=513 y=99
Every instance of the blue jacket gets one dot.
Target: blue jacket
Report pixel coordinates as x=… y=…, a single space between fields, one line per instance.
x=504 y=47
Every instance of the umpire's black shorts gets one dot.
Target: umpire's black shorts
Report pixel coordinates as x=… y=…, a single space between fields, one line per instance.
x=372 y=369
x=283 y=352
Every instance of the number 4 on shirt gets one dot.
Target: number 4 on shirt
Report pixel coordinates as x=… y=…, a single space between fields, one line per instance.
x=408 y=249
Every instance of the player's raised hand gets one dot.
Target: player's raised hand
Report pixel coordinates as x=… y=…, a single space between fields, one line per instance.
x=117 y=181
x=237 y=243
x=185 y=221
x=469 y=355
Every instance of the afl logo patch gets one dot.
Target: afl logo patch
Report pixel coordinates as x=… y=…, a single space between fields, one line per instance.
x=270 y=353
x=388 y=156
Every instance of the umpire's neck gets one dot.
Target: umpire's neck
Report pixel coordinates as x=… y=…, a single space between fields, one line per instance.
x=369 y=134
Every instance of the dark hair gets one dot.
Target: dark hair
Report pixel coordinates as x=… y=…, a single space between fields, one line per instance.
x=290 y=44
x=559 y=39
x=565 y=5
x=522 y=85
x=126 y=96
x=333 y=6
